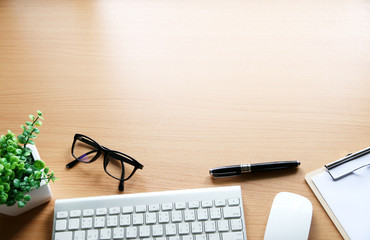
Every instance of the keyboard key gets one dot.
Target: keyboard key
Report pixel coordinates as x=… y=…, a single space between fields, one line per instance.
x=62 y=214
x=144 y=231
x=233 y=201
x=138 y=219
x=74 y=224
x=202 y=214
x=232 y=212
x=220 y=202
x=223 y=225
x=189 y=215
x=200 y=237
x=118 y=233
x=125 y=220
x=63 y=236
x=163 y=217
x=105 y=234
x=157 y=230
x=60 y=225
x=75 y=213
x=153 y=207
x=236 y=224
x=167 y=206
x=176 y=216
x=193 y=204
x=170 y=229
x=128 y=209
x=140 y=208
x=114 y=210
x=151 y=218
x=101 y=211
x=180 y=205
x=92 y=235
x=88 y=212
x=99 y=222
x=196 y=227
x=207 y=203
x=215 y=213
x=79 y=235
x=214 y=236
x=210 y=226
x=174 y=238
x=112 y=221
x=189 y=237
x=86 y=223
x=184 y=228
x=232 y=236
x=131 y=232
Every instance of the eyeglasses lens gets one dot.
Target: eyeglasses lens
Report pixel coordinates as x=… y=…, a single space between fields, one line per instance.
x=84 y=149
x=114 y=166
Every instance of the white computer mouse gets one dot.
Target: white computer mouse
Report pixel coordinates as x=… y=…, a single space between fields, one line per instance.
x=290 y=218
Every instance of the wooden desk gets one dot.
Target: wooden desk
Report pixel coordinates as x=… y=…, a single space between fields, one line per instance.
x=184 y=86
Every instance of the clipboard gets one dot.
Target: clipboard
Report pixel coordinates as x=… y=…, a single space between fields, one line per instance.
x=342 y=176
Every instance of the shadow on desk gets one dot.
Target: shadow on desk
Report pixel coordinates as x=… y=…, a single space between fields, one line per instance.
x=16 y=225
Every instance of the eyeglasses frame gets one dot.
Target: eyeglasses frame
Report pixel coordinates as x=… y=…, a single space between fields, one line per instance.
x=122 y=157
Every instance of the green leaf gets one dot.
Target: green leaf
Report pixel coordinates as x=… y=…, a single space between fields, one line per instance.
x=39 y=113
x=38 y=123
x=21 y=165
x=39 y=164
x=10 y=203
x=29 y=171
x=10 y=149
x=38 y=176
x=22 y=139
x=6 y=187
x=32 y=117
x=16 y=183
x=28 y=123
x=14 y=165
x=18 y=151
x=31 y=142
x=46 y=170
x=23 y=127
x=19 y=197
x=27 y=198
x=21 y=204
x=26 y=133
x=14 y=159
x=36 y=130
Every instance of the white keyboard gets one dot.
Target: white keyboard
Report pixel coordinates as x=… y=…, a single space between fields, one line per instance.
x=196 y=214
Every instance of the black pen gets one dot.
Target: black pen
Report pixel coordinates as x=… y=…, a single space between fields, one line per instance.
x=235 y=170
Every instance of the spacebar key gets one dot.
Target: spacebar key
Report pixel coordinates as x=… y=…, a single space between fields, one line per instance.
x=63 y=236
x=232 y=236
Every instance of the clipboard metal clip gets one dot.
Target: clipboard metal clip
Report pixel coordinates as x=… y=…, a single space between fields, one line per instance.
x=346 y=166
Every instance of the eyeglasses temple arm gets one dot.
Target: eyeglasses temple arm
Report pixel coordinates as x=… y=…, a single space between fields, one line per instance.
x=120 y=185
x=72 y=164
x=135 y=163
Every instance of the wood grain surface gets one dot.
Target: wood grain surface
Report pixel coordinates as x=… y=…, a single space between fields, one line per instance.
x=185 y=86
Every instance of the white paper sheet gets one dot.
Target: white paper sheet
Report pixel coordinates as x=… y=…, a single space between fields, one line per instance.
x=349 y=199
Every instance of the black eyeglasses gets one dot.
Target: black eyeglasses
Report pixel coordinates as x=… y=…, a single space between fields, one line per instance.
x=86 y=150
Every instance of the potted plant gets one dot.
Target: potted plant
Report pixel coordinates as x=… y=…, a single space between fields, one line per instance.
x=24 y=178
